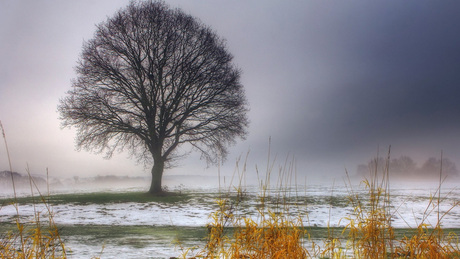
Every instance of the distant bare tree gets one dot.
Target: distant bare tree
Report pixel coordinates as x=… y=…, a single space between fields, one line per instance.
x=433 y=166
x=404 y=165
x=150 y=80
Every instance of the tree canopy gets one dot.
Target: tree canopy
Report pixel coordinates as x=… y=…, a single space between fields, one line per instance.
x=405 y=166
x=150 y=80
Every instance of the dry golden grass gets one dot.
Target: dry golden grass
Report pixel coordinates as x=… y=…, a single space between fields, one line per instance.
x=271 y=234
x=276 y=236
x=36 y=239
x=275 y=233
x=369 y=232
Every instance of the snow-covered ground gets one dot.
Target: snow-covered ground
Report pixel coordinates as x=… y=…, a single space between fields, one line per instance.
x=318 y=205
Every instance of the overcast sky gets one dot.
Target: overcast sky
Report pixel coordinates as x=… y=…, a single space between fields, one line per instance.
x=328 y=81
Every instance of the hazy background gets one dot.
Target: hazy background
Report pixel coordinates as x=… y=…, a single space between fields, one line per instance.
x=329 y=81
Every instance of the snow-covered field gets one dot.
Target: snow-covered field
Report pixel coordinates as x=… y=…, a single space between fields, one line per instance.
x=147 y=229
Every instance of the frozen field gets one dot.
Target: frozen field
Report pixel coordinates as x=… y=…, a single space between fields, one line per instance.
x=148 y=229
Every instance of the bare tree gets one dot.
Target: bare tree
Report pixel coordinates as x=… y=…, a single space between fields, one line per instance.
x=404 y=165
x=432 y=167
x=150 y=80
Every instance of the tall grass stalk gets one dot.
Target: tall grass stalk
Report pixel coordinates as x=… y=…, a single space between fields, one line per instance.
x=429 y=241
x=275 y=232
x=270 y=233
x=370 y=234
x=36 y=239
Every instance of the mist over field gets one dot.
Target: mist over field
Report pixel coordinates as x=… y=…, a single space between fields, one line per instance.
x=120 y=218
x=333 y=85
x=336 y=91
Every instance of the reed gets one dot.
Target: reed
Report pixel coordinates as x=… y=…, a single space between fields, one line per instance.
x=270 y=233
x=277 y=233
x=37 y=239
x=274 y=230
x=430 y=241
x=370 y=234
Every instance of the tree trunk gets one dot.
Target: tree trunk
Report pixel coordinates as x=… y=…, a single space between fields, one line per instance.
x=157 y=175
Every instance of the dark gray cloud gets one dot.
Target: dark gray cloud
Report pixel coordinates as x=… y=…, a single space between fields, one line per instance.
x=329 y=81
x=388 y=75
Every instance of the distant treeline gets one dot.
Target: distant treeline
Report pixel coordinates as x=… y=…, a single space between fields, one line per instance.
x=108 y=178
x=405 y=166
x=7 y=177
x=21 y=180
